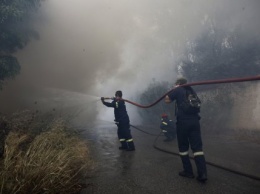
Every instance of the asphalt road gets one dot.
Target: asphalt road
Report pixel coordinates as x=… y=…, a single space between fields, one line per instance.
x=150 y=171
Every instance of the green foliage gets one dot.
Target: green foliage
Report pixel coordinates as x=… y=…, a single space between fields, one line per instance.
x=15 y=32
x=15 y=29
x=216 y=107
x=9 y=67
x=218 y=54
x=221 y=55
x=155 y=91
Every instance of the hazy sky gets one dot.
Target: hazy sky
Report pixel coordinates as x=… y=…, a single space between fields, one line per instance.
x=96 y=47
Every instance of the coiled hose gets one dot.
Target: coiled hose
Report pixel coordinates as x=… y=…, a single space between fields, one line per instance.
x=254 y=78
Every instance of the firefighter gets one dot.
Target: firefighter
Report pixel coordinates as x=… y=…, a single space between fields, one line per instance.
x=122 y=121
x=168 y=128
x=188 y=132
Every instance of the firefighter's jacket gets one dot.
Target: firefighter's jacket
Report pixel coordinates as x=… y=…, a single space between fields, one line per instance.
x=120 y=111
x=167 y=125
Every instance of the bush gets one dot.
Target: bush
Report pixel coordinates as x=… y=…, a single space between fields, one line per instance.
x=54 y=161
x=154 y=91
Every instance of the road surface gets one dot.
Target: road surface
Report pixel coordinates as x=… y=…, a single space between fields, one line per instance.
x=150 y=171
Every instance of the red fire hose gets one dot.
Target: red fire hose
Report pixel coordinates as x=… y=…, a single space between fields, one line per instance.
x=254 y=78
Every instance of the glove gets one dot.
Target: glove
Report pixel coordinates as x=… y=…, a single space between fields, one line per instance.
x=102 y=98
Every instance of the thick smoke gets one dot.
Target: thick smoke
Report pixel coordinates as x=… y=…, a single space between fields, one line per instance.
x=96 y=47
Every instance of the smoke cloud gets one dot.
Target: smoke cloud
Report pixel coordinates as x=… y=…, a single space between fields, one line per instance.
x=96 y=47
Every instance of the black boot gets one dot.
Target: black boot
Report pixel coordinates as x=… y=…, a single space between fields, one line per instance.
x=202 y=178
x=131 y=146
x=123 y=145
x=201 y=167
x=187 y=172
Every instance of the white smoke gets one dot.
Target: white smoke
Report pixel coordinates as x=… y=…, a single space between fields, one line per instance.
x=99 y=46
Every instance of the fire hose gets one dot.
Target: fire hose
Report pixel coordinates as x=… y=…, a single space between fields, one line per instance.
x=207 y=162
x=254 y=78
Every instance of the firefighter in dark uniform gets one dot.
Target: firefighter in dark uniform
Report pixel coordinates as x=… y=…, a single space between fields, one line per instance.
x=122 y=121
x=188 y=133
x=168 y=128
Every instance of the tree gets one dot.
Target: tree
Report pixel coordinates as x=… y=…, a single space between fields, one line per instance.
x=219 y=54
x=153 y=92
x=15 y=32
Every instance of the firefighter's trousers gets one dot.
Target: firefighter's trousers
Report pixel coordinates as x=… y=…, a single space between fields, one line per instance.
x=124 y=135
x=188 y=134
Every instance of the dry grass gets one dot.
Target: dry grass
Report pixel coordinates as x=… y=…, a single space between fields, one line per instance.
x=54 y=161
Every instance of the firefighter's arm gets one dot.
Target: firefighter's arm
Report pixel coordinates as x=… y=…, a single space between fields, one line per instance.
x=108 y=104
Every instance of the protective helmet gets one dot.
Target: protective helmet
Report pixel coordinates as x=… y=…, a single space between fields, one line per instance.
x=119 y=93
x=181 y=81
x=164 y=115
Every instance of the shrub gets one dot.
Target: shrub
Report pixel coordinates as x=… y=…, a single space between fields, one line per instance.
x=54 y=161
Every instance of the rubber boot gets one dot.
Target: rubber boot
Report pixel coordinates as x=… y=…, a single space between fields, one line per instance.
x=201 y=168
x=187 y=172
x=131 y=146
x=123 y=145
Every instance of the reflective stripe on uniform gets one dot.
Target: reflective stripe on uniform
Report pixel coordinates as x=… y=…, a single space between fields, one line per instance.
x=198 y=153
x=129 y=140
x=184 y=153
x=121 y=139
x=116 y=104
x=164 y=131
x=164 y=123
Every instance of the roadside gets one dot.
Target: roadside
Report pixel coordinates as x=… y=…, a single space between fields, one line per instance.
x=148 y=170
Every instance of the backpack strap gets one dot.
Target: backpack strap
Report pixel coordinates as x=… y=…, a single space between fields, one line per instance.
x=189 y=90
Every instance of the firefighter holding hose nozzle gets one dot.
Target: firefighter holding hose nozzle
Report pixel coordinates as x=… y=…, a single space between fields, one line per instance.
x=122 y=121
x=187 y=108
